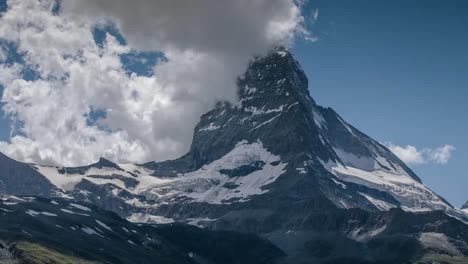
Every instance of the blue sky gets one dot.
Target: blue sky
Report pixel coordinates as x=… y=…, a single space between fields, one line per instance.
x=397 y=70
x=394 y=69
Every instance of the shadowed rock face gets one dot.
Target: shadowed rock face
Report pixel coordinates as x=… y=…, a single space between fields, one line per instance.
x=23 y=179
x=465 y=206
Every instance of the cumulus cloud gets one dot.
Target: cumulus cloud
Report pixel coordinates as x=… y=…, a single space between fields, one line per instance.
x=441 y=155
x=408 y=154
x=64 y=78
x=411 y=155
x=204 y=25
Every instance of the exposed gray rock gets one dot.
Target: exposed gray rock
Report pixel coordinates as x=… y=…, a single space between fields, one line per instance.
x=23 y=179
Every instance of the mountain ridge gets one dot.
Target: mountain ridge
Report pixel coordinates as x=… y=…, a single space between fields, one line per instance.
x=465 y=206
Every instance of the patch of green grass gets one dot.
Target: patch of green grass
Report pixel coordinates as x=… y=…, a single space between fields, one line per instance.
x=442 y=259
x=38 y=254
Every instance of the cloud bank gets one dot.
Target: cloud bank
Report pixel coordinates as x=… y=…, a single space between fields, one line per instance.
x=71 y=100
x=413 y=156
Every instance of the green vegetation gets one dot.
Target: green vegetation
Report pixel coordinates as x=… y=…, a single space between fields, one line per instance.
x=37 y=254
x=442 y=259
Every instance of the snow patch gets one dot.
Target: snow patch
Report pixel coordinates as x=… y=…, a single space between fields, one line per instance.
x=211 y=127
x=48 y=214
x=318 y=119
x=250 y=90
x=32 y=213
x=27 y=233
x=281 y=53
x=339 y=183
x=90 y=231
x=266 y=122
x=438 y=241
x=81 y=207
x=6 y=210
x=65 y=182
x=151 y=219
x=204 y=185
x=198 y=221
x=209 y=185
x=209 y=181
x=71 y=212
x=301 y=170
x=255 y=111
x=103 y=225
x=35 y=213
x=360 y=170
x=364 y=235
x=380 y=204
x=346 y=125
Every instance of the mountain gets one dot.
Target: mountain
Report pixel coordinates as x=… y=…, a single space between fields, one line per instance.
x=38 y=230
x=465 y=206
x=274 y=150
x=278 y=165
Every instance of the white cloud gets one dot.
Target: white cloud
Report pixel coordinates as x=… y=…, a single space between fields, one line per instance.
x=222 y=26
x=411 y=155
x=441 y=155
x=408 y=154
x=207 y=44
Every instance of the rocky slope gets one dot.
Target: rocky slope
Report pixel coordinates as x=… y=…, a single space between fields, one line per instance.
x=38 y=230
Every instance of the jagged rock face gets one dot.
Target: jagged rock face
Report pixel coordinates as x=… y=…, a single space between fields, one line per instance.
x=465 y=206
x=21 y=179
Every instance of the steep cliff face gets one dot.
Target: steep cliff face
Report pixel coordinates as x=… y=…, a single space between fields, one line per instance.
x=22 y=179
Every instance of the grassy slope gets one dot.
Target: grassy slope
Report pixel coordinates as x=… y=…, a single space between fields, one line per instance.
x=443 y=259
x=37 y=254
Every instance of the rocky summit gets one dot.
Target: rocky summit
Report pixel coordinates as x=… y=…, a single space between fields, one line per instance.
x=280 y=166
